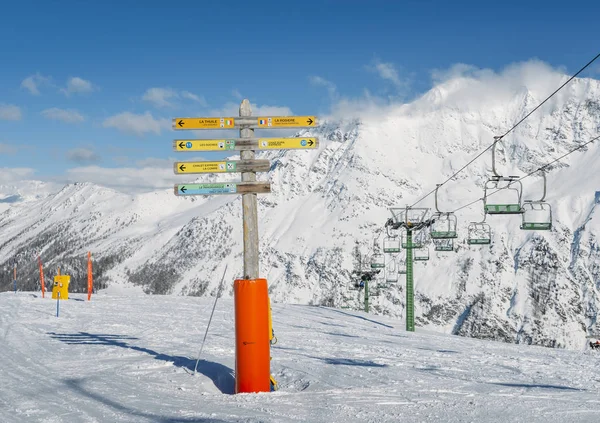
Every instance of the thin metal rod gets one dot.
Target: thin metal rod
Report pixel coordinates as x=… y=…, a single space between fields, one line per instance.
x=543 y=176
x=496 y=139
x=210 y=319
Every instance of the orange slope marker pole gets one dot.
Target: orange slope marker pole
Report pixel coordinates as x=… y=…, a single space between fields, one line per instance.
x=42 y=277
x=90 y=276
x=252 y=346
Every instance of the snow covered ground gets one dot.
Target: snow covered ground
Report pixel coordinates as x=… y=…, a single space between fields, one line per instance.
x=129 y=358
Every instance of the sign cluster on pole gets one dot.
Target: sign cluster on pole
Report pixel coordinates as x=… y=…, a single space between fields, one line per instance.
x=247 y=143
x=252 y=307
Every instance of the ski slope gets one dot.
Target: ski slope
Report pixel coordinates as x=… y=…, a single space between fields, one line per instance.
x=130 y=358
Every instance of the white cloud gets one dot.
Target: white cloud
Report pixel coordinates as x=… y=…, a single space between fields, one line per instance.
x=15 y=174
x=322 y=82
x=77 y=85
x=159 y=96
x=468 y=88
x=10 y=112
x=190 y=96
x=388 y=72
x=156 y=163
x=364 y=107
x=65 y=115
x=137 y=124
x=471 y=88
x=33 y=83
x=82 y=155
x=7 y=149
x=163 y=97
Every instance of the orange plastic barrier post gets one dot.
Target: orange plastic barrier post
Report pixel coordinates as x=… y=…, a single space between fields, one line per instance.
x=252 y=348
x=42 y=277
x=90 y=277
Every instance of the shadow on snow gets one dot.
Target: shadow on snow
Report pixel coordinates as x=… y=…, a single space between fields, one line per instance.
x=76 y=385
x=221 y=376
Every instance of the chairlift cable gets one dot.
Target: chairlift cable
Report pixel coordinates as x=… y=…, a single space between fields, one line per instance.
x=496 y=139
x=533 y=172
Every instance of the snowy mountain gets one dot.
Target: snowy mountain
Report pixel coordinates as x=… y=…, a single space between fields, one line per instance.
x=132 y=359
x=527 y=287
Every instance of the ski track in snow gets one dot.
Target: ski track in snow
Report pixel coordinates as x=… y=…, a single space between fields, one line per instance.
x=130 y=359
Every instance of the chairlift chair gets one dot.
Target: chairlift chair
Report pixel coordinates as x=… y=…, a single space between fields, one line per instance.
x=509 y=202
x=443 y=244
x=391 y=272
x=377 y=261
x=537 y=215
x=392 y=245
x=421 y=254
x=402 y=266
x=444 y=224
x=508 y=190
x=479 y=233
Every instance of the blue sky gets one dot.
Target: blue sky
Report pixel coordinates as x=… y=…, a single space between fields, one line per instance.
x=91 y=86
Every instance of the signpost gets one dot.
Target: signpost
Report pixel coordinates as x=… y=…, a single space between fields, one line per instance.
x=244 y=122
x=203 y=123
x=252 y=308
x=240 y=144
x=286 y=121
x=223 y=188
x=221 y=167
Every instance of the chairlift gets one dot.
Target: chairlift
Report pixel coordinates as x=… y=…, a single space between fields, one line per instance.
x=377 y=259
x=507 y=190
x=391 y=272
x=444 y=224
x=537 y=215
x=402 y=266
x=392 y=245
x=479 y=233
x=443 y=244
x=421 y=254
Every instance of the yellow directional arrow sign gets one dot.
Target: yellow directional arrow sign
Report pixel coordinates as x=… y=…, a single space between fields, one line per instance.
x=286 y=143
x=286 y=121
x=203 y=145
x=203 y=123
x=223 y=166
x=204 y=167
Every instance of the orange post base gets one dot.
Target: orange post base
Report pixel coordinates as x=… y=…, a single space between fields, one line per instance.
x=252 y=347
